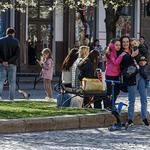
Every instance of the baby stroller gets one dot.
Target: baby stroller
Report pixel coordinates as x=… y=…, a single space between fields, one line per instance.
x=119 y=124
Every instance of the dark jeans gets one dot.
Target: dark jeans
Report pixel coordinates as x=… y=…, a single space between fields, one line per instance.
x=100 y=65
x=109 y=90
x=143 y=72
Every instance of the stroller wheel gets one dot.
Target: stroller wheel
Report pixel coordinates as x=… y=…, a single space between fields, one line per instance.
x=126 y=126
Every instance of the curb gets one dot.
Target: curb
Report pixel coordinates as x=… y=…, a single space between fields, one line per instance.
x=64 y=122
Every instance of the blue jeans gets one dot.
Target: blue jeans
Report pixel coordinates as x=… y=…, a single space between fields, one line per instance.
x=140 y=84
x=100 y=65
x=11 y=71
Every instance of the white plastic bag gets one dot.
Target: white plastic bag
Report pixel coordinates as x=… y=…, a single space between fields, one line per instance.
x=76 y=101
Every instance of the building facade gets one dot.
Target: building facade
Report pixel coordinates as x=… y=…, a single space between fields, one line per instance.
x=58 y=30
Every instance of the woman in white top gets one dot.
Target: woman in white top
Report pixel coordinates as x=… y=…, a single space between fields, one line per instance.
x=67 y=66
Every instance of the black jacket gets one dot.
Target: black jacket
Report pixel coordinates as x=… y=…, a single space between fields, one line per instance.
x=9 y=49
x=142 y=52
x=86 y=70
x=126 y=61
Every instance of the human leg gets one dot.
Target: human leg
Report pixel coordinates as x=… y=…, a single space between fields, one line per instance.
x=11 y=69
x=144 y=75
x=109 y=90
x=3 y=74
x=143 y=96
x=131 y=99
x=48 y=89
x=100 y=65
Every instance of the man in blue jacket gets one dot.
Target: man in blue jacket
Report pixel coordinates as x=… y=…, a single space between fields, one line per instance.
x=9 y=54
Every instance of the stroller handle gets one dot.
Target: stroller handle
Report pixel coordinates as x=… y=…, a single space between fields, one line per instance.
x=112 y=81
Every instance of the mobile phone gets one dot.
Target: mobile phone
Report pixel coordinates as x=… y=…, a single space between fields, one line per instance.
x=135 y=48
x=37 y=60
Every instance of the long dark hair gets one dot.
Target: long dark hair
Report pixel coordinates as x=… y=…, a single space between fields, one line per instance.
x=93 y=57
x=95 y=41
x=106 y=55
x=70 y=59
x=122 y=39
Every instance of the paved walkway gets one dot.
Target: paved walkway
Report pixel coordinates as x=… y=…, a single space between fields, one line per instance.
x=136 y=137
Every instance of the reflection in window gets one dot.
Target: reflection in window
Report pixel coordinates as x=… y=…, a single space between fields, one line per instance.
x=4 y=22
x=85 y=24
x=42 y=10
x=124 y=24
x=32 y=43
x=33 y=12
x=45 y=37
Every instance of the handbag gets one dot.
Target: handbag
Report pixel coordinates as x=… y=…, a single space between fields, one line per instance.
x=131 y=70
x=89 y=84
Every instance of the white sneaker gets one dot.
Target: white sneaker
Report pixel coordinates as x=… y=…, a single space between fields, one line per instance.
x=51 y=100
x=46 y=98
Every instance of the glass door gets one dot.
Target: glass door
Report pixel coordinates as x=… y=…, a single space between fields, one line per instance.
x=39 y=37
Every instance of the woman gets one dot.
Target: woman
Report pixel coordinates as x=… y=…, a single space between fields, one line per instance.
x=100 y=49
x=130 y=85
x=87 y=68
x=88 y=65
x=66 y=67
x=83 y=52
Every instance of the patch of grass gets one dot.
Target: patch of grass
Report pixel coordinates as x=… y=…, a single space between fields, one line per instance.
x=31 y=109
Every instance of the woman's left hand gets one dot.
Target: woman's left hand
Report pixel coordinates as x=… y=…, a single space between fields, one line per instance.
x=142 y=63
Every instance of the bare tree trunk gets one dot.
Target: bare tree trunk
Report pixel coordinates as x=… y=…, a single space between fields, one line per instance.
x=111 y=19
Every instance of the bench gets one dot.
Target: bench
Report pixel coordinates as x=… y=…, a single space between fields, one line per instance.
x=35 y=75
x=59 y=87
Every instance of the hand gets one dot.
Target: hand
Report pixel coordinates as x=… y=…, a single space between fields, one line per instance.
x=142 y=58
x=134 y=53
x=40 y=63
x=123 y=53
x=142 y=63
x=5 y=64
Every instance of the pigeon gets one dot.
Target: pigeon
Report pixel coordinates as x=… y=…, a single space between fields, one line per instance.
x=25 y=94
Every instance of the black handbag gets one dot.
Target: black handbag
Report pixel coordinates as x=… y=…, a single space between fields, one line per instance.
x=131 y=71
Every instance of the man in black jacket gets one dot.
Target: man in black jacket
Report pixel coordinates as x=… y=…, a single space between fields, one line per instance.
x=9 y=54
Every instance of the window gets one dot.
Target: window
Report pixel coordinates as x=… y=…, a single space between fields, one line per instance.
x=4 y=22
x=85 y=24
x=125 y=22
x=42 y=10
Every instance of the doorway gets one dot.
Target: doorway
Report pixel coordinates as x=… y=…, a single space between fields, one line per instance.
x=39 y=32
x=39 y=37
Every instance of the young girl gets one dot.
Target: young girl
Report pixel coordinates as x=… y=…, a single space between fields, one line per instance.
x=112 y=71
x=47 y=72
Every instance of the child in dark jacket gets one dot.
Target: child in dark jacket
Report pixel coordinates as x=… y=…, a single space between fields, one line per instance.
x=143 y=54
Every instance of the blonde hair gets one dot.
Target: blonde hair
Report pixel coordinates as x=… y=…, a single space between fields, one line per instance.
x=83 y=50
x=87 y=40
x=47 y=51
x=133 y=39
